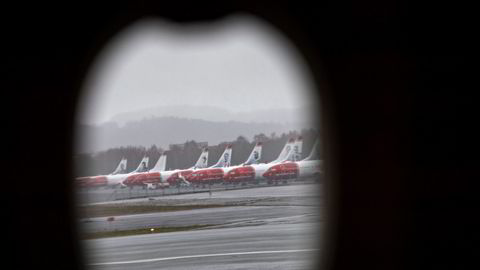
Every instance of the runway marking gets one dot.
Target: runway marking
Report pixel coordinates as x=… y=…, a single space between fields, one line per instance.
x=206 y=255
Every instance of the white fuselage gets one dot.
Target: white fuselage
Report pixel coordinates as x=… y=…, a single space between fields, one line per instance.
x=309 y=168
x=261 y=168
x=117 y=179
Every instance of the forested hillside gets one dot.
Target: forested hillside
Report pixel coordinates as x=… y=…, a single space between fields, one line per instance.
x=163 y=131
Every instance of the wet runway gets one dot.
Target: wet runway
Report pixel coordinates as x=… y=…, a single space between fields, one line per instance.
x=270 y=246
x=232 y=216
x=268 y=228
x=300 y=190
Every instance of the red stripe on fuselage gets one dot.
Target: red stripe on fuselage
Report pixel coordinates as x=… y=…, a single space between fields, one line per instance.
x=93 y=181
x=214 y=174
x=141 y=179
x=176 y=177
x=240 y=174
x=285 y=170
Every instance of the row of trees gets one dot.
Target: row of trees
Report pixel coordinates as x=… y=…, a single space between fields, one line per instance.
x=178 y=157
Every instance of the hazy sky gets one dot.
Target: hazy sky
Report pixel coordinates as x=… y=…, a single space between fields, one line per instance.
x=241 y=64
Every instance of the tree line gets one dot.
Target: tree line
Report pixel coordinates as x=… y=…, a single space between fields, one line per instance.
x=104 y=162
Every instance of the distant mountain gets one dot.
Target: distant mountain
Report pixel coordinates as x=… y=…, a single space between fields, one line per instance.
x=216 y=114
x=163 y=131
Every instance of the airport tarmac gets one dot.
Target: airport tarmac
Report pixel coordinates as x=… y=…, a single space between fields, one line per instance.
x=300 y=190
x=270 y=246
x=265 y=228
x=227 y=216
x=99 y=195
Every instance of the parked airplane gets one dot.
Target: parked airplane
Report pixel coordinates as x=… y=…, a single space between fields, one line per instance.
x=177 y=177
x=254 y=172
x=116 y=180
x=160 y=178
x=213 y=173
x=311 y=166
x=292 y=169
x=148 y=178
x=244 y=172
x=101 y=180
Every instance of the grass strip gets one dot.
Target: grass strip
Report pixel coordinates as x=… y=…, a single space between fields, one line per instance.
x=93 y=211
x=105 y=234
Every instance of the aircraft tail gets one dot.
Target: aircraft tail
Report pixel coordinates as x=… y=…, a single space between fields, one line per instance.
x=121 y=168
x=143 y=166
x=295 y=153
x=225 y=158
x=255 y=156
x=285 y=151
x=298 y=148
x=161 y=164
x=313 y=154
x=202 y=161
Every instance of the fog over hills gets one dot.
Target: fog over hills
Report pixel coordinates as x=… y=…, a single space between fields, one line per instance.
x=217 y=114
x=166 y=130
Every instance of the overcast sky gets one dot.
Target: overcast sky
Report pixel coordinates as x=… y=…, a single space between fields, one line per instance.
x=241 y=64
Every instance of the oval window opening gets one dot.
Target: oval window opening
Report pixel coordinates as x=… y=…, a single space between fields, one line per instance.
x=198 y=147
